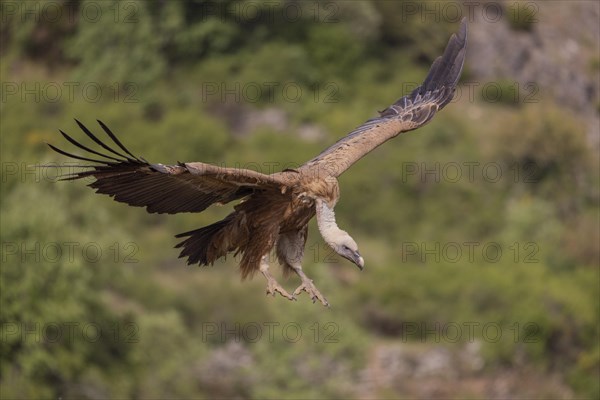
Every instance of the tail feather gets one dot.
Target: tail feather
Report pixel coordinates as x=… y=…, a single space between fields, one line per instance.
x=251 y=230
x=205 y=245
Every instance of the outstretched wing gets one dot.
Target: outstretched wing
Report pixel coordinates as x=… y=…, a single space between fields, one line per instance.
x=408 y=113
x=184 y=187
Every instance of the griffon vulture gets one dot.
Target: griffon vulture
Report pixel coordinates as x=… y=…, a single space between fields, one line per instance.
x=274 y=210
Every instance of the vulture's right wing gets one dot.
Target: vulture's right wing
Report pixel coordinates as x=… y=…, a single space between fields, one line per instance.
x=183 y=187
x=408 y=113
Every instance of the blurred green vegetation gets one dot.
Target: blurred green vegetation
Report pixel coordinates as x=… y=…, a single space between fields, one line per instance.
x=521 y=15
x=155 y=316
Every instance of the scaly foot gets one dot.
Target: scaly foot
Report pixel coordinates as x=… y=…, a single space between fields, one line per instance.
x=308 y=286
x=274 y=287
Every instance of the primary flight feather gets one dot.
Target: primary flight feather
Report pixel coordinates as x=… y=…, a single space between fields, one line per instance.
x=275 y=208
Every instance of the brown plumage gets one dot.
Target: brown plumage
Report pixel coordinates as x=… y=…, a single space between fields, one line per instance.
x=275 y=209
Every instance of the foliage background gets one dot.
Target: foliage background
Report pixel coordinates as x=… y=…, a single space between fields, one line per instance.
x=178 y=81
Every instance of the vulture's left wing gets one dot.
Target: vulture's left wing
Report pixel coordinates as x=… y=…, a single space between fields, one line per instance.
x=408 y=113
x=183 y=187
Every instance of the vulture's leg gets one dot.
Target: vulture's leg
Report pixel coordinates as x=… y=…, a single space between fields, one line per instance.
x=290 y=251
x=272 y=285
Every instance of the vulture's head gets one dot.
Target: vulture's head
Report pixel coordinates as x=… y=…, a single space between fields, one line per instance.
x=346 y=247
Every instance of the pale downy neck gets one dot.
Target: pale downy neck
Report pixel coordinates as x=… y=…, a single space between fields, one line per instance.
x=326 y=223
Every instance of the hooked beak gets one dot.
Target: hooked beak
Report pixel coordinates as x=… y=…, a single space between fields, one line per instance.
x=358 y=260
x=354 y=257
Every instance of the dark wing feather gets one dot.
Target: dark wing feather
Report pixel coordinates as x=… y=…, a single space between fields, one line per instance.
x=190 y=187
x=408 y=113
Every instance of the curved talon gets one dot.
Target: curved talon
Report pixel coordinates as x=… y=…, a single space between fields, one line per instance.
x=273 y=287
x=308 y=287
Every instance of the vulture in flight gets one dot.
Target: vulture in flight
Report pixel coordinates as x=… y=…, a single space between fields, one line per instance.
x=273 y=210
